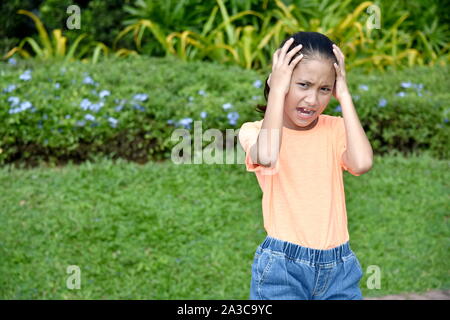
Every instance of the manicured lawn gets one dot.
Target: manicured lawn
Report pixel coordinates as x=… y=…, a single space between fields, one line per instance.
x=162 y=231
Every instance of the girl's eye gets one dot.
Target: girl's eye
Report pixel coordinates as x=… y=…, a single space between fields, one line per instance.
x=304 y=85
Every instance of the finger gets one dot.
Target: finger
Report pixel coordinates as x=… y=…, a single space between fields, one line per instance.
x=275 y=59
x=337 y=68
x=338 y=52
x=337 y=55
x=340 y=68
x=296 y=60
x=284 y=49
x=293 y=52
x=268 y=80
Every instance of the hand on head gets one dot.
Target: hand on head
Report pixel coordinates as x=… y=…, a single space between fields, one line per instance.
x=280 y=77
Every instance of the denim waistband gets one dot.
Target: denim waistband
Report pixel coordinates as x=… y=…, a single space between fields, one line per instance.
x=295 y=251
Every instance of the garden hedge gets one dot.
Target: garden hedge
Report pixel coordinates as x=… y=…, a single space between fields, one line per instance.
x=129 y=107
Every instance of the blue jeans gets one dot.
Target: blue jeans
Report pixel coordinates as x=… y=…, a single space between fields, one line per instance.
x=283 y=270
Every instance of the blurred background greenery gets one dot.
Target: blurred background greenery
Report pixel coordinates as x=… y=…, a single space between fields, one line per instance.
x=137 y=69
x=240 y=32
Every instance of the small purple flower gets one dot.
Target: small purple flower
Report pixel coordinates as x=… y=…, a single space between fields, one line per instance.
x=227 y=106
x=85 y=104
x=88 y=80
x=191 y=99
x=14 y=101
x=446 y=120
x=118 y=108
x=401 y=94
x=364 y=87
x=10 y=88
x=104 y=93
x=257 y=84
x=186 y=122
x=202 y=92
x=382 y=103
x=138 y=107
x=68 y=116
x=140 y=97
x=356 y=97
x=89 y=117
x=26 y=75
x=406 y=84
x=80 y=123
x=255 y=97
x=203 y=114
x=12 y=61
x=338 y=108
x=96 y=106
x=170 y=121
x=57 y=85
x=25 y=105
x=232 y=117
x=113 y=122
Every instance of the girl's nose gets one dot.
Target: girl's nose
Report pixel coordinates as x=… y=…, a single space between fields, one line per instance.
x=311 y=99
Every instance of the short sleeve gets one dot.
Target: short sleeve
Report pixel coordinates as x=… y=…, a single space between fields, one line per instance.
x=342 y=143
x=248 y=136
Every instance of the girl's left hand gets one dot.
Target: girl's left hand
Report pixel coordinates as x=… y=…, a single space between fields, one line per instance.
x=340 y=88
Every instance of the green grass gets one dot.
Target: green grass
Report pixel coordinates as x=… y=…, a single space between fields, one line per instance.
x=161 y=231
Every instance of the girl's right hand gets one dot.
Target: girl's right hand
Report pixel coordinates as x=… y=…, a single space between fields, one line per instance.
x=280 y=78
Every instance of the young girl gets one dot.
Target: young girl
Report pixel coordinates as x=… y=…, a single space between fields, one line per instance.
x=298 y=155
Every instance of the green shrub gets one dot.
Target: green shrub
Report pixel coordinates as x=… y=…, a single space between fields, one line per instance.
x=101 y=20
x=415 y=113
x=53 y=125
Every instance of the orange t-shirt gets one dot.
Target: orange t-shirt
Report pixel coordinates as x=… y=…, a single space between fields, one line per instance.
x=303 y=195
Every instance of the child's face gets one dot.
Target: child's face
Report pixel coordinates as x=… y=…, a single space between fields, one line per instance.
x=311 y=87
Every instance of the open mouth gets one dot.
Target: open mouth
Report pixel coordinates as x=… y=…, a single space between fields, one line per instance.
x=305 y=113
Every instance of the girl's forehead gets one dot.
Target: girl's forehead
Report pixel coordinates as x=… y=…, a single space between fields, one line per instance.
x=314 y=69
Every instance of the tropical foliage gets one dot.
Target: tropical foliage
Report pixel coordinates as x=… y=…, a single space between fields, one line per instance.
x=373 y=35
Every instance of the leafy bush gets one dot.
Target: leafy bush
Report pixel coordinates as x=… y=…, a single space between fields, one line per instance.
x=14 y=29
x=57 y=48
x=405 y=110
x=246 y=33
x=403 y=38
x=56 y=111
x=129 y=108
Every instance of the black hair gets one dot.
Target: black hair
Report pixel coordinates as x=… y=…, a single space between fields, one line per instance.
x=315 y=45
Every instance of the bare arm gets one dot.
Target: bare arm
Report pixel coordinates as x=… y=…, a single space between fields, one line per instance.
x=267 y=147
x=359 y=153
x=265 y=151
